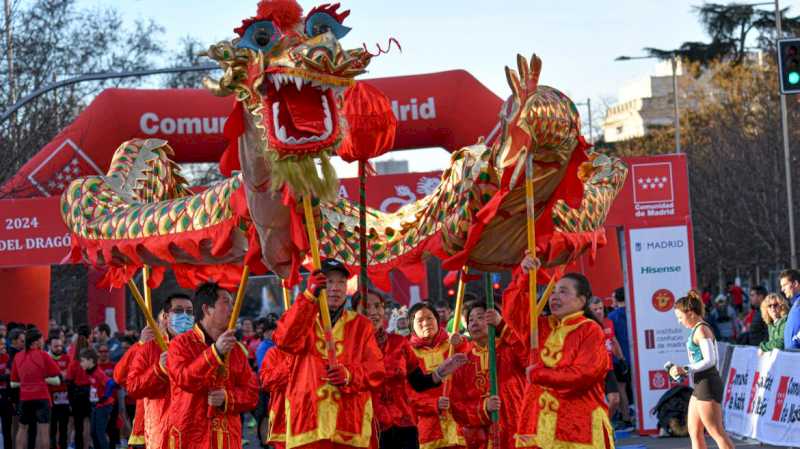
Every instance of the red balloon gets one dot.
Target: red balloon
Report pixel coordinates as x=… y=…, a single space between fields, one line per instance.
x=371 y=121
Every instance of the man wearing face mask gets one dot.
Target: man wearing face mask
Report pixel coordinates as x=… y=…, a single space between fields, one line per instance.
x=147 y=376
x=328 y=402
x=211 y=382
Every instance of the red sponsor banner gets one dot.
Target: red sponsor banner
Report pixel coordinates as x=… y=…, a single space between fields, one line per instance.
x=659 y=380
x=753 y=387
x=780 y=397
x=32 y=233
x=655 y=193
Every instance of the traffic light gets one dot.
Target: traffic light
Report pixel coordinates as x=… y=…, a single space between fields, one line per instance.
x=789 y=65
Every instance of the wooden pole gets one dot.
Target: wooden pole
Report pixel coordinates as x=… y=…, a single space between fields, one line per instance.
x=148 y=294
x=530 y=204
x=287 y=298
x=148 y=315
x=462 y=286
x=237 y=306
x=325 y=314
x=362 y=226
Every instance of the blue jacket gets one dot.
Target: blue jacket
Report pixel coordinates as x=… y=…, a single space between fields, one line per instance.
x=261 y=351
x=620 y=320
x=791 y=334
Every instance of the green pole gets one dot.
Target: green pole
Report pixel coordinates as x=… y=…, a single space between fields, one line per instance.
x=492 y=353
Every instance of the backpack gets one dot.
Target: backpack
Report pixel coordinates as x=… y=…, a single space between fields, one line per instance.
x=672 y=409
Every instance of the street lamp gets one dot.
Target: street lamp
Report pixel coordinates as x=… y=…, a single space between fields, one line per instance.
x=677 y=120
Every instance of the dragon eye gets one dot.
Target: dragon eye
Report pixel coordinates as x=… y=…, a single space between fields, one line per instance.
x=322 y=22
x=260 y=36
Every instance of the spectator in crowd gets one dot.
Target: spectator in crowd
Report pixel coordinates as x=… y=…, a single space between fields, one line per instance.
x=774 y=309
x=621 y=365
x=445 y=312
x=16 y=341
x=736 y=295
x=725 y=318
x=613 y=349
x=102 y=336
x=105 y=364
x=78 y=388
x=6 y=406
x=59 y=413
x=32 y=371
x=268 y=328
x=3 y=331
x=755 y=329
x=101 y=396
x=790 y=286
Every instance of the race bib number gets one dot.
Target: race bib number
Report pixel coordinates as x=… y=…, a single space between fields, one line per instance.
x=93 y=395
x=60 y=398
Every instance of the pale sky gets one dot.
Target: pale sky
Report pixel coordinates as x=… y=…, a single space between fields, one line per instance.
x=577 y=40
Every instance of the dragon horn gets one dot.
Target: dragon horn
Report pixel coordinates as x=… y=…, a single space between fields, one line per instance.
x=532 y=80
x=522 y=67
x=215 y=87
x=513 y=82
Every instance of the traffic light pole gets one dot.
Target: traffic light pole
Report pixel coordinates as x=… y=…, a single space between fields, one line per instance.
x=786 y=154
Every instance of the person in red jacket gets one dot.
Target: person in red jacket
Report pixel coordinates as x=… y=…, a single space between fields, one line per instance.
x=431 y=344
x=148 y=378
x=472 y=403
x=101 y=397
x=6 y=407
x=394 y=412
x=274 y=377
x=329 y=402
x=59 y=414
x=121 y=370
x=564 y=402
x=211 y=382
x=33 y=370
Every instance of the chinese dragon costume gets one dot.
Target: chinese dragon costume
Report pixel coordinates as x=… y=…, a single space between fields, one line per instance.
x=287 y=74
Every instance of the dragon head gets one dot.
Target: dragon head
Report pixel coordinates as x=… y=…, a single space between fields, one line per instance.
x=289 y=72
x=535 y=118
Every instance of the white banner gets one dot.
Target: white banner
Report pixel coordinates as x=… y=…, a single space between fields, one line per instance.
x=660 y=272
x=762 y=396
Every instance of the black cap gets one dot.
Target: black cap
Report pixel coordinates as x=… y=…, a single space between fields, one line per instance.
x=329 y=265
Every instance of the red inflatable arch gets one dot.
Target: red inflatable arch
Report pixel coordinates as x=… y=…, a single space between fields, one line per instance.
x=447 y=109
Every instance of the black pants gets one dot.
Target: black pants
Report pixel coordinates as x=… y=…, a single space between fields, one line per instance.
x=113 y=428
x=79 y=414
x=399 y=438
x=59 y=426
x=6 y=415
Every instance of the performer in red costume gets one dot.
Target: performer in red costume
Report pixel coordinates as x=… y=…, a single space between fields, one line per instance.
x=564 y=404
x=136 y=438
x=211 y=382
x=429 y=341
x=274 y=377
x=329 y=404
x=147 y=377
x=472 y=404
x=393 y=410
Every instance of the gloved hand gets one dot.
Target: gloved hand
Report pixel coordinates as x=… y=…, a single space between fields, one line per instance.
x=337 y=375
x=316 y=283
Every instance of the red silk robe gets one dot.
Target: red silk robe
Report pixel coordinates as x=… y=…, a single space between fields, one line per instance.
x=320 y=415
x=195 y=368
x=468 y=397
x=564 y=403
x=391 y=402
x=121 y=370
x=274 y=377
x=148 y=381
x=436 y=430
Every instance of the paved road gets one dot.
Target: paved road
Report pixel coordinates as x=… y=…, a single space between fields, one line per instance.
x=680 y=443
